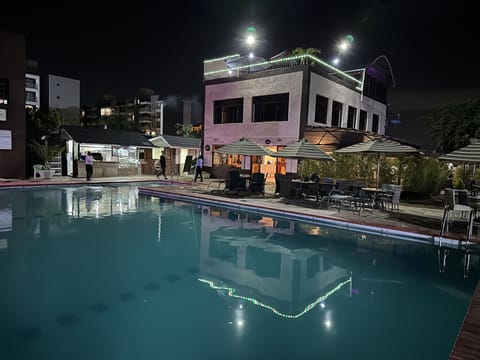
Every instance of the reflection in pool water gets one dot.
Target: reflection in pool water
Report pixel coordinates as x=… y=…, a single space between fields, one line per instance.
x=100 y=272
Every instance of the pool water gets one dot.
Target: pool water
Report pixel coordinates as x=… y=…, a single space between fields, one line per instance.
x=103 y=273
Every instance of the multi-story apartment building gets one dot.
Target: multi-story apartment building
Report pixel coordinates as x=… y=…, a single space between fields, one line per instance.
x=12 y=106
x=147 y=112
x=32 y=85
x=278 y=101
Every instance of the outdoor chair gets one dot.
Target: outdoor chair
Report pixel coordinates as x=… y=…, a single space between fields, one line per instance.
x=344 y=187
x=361 y=201
x=391 y=197
x=257 y=183
x=37 y=173
x=235 y=181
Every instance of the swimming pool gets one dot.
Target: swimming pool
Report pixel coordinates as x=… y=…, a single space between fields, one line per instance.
x=99 y=272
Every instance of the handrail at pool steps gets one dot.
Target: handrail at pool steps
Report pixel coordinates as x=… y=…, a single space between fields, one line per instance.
x=454 y=203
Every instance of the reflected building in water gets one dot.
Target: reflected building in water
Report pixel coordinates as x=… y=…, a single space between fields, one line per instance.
x=258 y=259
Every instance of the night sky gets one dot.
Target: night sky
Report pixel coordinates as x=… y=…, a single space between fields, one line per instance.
x=117 y=49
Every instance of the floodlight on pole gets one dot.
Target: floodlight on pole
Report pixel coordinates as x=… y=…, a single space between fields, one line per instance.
x=336 y=61
x=250 y=39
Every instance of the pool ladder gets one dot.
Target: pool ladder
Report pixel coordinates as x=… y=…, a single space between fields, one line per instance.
x=446 y=219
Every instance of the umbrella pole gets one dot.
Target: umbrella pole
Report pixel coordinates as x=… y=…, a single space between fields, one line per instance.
x=378 y=169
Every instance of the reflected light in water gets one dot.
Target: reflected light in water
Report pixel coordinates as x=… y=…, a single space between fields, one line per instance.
x=231 y=293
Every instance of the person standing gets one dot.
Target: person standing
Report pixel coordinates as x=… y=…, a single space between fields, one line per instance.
x=198 y=168
x=89 y=165
x=163 y=164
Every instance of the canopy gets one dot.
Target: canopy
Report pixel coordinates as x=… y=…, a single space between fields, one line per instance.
x=244 y=147
x=467 y=154
x=302 y=149
x=380 y=147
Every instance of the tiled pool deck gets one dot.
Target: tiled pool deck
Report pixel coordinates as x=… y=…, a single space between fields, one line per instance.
x=417 y=221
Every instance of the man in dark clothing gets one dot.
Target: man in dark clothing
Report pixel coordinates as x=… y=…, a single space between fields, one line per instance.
x=163 y=164
x=198 y=168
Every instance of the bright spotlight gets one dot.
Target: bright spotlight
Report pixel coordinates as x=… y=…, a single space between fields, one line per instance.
x=250 y=39
x=250 y=55
x=336 y=61
x=343 y=46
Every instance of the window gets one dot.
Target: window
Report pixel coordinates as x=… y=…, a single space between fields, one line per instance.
x=5 y=140
x=30 y=96
x=270 y=108
x=3 y=91
x=362 y=125
x=351 y=117
x=321 y=109
x=336 y=114
x=375 y=123
x=228 y=111
x=30 y=83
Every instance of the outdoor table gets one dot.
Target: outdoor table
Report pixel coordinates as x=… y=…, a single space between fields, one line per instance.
x=376 y=192
x=299 y=187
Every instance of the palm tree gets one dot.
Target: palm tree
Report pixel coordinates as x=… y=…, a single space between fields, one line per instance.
x=305 y=53
x=45 y=151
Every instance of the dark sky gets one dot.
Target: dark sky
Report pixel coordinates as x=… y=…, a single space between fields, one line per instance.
x=117 y=49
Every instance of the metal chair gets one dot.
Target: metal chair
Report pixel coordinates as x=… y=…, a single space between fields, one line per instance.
x=257 y=183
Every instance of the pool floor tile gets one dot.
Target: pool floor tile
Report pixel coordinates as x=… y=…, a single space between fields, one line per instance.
x=99 y=308
x=67 y=320
x=30 y=333
x=151 y=286
x=127 y=296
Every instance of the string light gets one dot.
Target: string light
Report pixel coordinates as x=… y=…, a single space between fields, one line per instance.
x=290 y=58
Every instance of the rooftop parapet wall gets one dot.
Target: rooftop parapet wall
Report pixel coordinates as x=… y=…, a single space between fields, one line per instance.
x=241 y=66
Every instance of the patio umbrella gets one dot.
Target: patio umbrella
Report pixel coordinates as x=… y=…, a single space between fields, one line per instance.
x=467 y=154
x=379 y=147
x=244 y=147
x=302 y=149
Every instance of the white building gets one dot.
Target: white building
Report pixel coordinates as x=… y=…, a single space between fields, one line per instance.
x=278 y=101
x=62 y=94
x=32 y=91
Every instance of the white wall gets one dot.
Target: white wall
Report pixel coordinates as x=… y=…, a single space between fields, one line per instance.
x=347 y=97
x=64 y=95
x=279 y=133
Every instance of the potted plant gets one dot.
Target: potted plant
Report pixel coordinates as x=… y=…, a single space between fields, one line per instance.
x=46 y=152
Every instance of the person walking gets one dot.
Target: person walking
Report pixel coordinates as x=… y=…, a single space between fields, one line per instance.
x=89 y=165
x=163 y=164
x=198 y=168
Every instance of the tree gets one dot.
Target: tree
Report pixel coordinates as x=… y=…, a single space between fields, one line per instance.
x=452 y=126
x=299 y=51
x=42 y=122
x=116 y=122
x=187 y=131
x=46 y=152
